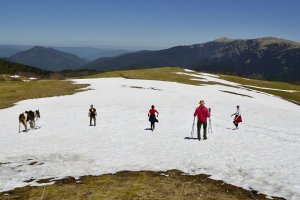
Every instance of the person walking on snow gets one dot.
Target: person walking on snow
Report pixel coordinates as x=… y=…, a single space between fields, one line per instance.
x=152 y=117
x=237 y=117
x=202 y=114
x=92 y=114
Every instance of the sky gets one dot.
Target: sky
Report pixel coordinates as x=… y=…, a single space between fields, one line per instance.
x=144 y=24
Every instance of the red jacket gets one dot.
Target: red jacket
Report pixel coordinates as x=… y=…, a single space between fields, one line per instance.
x=238 y=119
x=202 y=114
x=152 y=111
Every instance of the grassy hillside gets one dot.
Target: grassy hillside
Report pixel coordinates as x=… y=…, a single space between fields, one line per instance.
x=267 y=87
x=160 y=74
x=13 y=91
x=136 y=185
x=169 y=74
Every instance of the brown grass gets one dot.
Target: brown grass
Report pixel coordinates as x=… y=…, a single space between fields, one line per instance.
x=136 y=185
x=14 y=91
x=244 y=95
x=293 y=97
x=160 y=74
x=169 y=74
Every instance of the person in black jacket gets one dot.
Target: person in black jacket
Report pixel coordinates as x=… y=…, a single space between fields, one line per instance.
x=92 y=115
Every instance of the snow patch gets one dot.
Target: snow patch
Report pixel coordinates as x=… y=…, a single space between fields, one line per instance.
x=262 y=154
x=211 y=75
x=188 y=70
x=209 y=78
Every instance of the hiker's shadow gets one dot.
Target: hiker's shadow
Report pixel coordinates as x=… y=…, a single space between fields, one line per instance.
x=190 y=138
x=148 y=129
x=30 y=129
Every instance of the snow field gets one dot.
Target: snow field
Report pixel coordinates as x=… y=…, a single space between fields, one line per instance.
x=263 y=154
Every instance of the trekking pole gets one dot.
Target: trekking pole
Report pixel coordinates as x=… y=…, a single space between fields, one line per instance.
x=209 y=125
x=192 y=132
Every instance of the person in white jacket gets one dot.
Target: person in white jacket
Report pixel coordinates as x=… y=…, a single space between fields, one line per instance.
x=237 y=116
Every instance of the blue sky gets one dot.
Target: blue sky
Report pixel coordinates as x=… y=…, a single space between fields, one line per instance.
x=144 y=23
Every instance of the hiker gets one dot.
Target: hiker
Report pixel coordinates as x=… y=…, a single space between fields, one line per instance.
x=202 y=114
x=237 y=117
x=152 y=117
x=92 y=115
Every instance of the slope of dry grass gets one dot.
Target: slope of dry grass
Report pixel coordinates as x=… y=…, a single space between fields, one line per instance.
x=13 y=91
x=160 y=74
x=135 y=185
x=290 y=96
x=169 y=74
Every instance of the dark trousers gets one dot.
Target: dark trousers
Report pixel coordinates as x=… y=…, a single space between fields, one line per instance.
x=92 y=118
x=199 y=124
x=236 y=124
x=152 y=126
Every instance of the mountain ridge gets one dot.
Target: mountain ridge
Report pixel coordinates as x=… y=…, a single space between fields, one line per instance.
x=89 y=53
x=268 y=58
x=48 y=58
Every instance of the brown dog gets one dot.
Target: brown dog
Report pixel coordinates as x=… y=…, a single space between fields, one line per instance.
x=22 y=119
x=30 y=118
x=37 y=115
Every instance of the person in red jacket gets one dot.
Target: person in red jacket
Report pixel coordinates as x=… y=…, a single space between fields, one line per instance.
x=202 y=114
x=237 y=117
x=152 y=117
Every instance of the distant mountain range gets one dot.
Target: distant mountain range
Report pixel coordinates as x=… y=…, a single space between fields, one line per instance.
x=269 y=58
x=10 y=50
x=88 y=53
x=48 y=59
